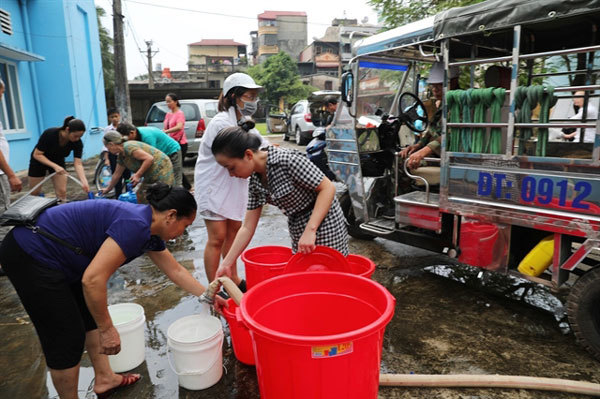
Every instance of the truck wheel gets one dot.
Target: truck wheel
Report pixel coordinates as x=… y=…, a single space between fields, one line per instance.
x=583 y=311
x=354 y=229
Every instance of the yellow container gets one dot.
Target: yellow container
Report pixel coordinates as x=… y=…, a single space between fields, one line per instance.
x=539 y=258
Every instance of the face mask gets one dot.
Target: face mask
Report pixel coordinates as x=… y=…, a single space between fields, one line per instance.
x=249 y=109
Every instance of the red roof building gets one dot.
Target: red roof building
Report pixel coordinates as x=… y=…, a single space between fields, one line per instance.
x=275 y=14
x=210 y=61
x=216 y=42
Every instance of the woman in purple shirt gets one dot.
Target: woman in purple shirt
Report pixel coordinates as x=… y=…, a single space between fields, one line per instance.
x=64 y=292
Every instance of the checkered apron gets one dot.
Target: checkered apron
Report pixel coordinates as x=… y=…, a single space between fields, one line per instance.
x=291 y=183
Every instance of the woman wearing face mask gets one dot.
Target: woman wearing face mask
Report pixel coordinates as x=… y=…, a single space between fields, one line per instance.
x=48 y=156
x=222 y=198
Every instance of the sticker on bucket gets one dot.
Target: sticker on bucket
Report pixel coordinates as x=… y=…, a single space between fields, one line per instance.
x=327 y=351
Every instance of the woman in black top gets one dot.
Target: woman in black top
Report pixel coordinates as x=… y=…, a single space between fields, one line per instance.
x=49 y=154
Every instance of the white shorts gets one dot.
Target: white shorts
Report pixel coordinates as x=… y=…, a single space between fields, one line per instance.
x=210 y=215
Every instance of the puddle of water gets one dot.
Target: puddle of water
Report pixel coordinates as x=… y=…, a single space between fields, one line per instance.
x=508 y=286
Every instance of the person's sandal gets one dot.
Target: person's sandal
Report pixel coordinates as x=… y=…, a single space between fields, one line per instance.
x=128 y=379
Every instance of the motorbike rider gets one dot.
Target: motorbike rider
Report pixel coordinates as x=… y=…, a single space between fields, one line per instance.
x=430 y=142
x=315 y=150
x=331 y=105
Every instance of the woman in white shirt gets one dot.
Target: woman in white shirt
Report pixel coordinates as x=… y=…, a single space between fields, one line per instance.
x=222 y=198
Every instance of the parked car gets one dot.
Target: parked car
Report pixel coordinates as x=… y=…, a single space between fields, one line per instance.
x=197 y=115
x=306 y=114
x=276 y=120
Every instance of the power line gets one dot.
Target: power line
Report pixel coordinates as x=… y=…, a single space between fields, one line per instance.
x=166 y=48
x=135 y=38
x=221 y=14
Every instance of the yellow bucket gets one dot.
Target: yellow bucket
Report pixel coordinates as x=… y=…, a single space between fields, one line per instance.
x=539 y=258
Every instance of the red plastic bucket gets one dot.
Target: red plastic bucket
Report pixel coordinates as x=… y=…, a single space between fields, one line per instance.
x=361 y=265
x=477 y=242
x=322 y=259
x=317 y=335
x=240 y=336
x=262 y=263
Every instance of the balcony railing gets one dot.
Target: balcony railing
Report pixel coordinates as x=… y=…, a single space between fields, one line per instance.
x=216 y=68
x=268 y=50
x=267 y=30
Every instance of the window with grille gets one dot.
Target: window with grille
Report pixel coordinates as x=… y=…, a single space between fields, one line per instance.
x=11 y=107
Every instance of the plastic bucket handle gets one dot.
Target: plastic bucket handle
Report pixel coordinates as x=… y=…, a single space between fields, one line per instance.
x=239 y=319
x=196 y=372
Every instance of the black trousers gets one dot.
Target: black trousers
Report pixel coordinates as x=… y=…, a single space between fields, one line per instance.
x=184 y=181
x=126 y=174
x=55 y=306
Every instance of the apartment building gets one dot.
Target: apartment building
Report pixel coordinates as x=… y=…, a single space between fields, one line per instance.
x=210 y=61
x=279 y=31
x=321 y=62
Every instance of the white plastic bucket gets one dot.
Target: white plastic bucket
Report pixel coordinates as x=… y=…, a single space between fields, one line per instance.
x=196 y=344
x=128 y=319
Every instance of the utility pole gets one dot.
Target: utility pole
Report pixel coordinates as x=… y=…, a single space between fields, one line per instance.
x=150 y=54
x=121 y=86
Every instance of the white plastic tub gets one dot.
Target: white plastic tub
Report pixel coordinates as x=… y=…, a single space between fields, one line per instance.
x=128 y=319
x=196 y=345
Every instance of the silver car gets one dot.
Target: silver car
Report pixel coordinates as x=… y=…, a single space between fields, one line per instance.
x=300 y=126
x=197 y=115
x=306 y=114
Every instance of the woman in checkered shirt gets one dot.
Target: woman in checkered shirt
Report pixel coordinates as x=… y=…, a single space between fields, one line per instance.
x=288 y=180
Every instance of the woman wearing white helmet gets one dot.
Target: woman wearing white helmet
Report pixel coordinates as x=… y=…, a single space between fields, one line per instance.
x=222 y=198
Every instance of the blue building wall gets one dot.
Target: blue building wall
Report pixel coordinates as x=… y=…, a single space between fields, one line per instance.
x=20 y=142
x=68 y=82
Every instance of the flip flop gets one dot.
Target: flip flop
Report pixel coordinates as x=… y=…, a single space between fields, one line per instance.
x=128 y=379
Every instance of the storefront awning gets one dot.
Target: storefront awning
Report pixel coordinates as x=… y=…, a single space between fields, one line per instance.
x=18 y=54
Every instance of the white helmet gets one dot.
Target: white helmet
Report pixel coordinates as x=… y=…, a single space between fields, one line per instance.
x=436 y=73
x=241 y=80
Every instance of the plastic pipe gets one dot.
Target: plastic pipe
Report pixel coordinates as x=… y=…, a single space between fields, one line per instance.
x=490 y=381
x=232 y=289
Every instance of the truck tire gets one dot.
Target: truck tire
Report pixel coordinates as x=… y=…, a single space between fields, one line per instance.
x=583 y=311
x=298 y=136
x=354 y=229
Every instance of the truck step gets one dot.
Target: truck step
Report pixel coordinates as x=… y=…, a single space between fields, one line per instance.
x=381 y=226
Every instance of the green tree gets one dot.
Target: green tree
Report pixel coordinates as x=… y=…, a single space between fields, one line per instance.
x=400 y=12
x=280 y=79
x=108 y=66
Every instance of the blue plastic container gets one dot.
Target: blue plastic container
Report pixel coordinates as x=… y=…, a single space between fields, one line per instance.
x=129 y=196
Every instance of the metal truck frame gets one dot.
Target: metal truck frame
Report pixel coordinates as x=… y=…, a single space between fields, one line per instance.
x=525 y=197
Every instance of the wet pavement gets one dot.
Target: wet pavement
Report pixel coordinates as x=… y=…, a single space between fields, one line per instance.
x=449 y=319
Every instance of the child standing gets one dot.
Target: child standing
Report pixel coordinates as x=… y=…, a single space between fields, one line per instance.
x=110 y=160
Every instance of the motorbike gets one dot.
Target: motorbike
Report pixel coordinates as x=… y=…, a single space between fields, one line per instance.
x=315 y=151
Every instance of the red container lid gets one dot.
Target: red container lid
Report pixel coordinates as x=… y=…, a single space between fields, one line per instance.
x=322 y=259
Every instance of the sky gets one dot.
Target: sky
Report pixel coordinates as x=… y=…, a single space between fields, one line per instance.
x=173 y=24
